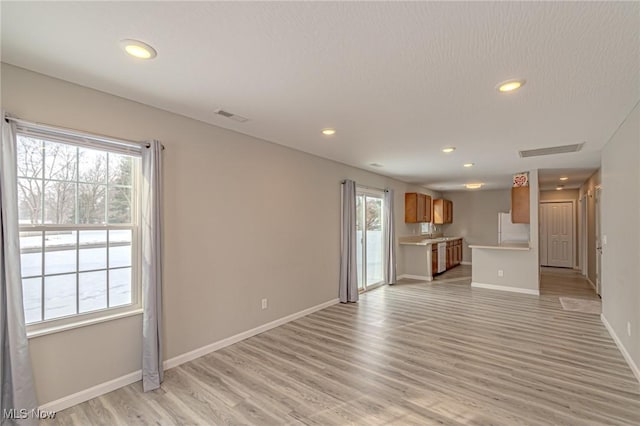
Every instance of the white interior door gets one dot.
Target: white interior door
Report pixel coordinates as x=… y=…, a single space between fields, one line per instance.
x=558 y=238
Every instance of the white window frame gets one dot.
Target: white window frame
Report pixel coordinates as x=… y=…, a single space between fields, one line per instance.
x=64 y=136
x=373 y=193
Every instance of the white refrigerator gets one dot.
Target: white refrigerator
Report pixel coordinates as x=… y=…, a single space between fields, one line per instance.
x=509 y=232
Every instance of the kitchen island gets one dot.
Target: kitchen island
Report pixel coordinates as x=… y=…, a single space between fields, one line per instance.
x=424 y=256
x=505 y=266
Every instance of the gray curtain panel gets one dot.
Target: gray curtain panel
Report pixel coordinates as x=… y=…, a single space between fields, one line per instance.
x=348 y=278
x=389 y=239
x=151 y=234
x=16 y=378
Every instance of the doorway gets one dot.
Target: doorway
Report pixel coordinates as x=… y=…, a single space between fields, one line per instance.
x=557 y=234
x=370 y=237
x=599 y=240
x=584 y=235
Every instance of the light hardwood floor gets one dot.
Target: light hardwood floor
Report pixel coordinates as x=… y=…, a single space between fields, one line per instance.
x=414 y=353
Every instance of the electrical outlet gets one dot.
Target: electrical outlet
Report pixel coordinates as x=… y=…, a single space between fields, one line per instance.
x=604 y=240
x=264 y=303
x=500 y=273
x=628 y=328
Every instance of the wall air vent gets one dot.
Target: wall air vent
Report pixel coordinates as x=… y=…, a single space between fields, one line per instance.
x=551 y=150
x=231 y=116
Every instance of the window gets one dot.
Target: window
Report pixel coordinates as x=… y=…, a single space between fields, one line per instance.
x=78 y=217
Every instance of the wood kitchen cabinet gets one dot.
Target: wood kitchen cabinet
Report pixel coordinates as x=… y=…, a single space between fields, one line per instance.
x=417 y=207
x=519 y=204
x=458 y=254
x=434 y=259
x=452 y=255
x=442 y=211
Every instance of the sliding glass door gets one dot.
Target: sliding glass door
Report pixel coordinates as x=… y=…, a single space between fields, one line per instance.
x=369 y=222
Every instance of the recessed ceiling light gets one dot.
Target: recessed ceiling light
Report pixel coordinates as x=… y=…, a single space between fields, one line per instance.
x=468 y=164
x=328 y=132
x=138 y=49
x=448 y=149
x=564 y=178
x=473 y=185
x=510 y=85
x=559 y=188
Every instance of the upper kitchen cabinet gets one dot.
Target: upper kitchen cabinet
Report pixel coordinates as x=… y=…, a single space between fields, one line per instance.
x=520 y=204
x=442 y=211
x=417 y=207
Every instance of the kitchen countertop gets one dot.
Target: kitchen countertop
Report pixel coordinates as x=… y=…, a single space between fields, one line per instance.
x=502 y=246
x=424 y=241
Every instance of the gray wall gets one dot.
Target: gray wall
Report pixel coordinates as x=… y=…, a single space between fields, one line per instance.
x=475 y=216
x=553 y=195
x=245 y=219
x=621 y=225
x=587 y=192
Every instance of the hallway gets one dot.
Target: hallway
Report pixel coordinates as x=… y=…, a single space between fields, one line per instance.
x=565 y=282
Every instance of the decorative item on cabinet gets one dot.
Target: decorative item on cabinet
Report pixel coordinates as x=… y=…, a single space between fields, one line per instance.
x=520 y=198
x=442 y=211
x=417 y=207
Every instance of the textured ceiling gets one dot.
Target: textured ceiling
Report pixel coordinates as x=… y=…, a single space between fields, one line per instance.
x=398 y=81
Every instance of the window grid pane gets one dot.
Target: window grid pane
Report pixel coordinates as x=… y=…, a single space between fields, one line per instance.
x=92 y=248
x=67 y=271
x=92 y=291
x=60 y=296
x=119 y=287
x=30 y=193
x=31 y=254
x=32 y=299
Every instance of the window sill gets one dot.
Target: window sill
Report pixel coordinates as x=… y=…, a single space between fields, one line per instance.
x=70 y=326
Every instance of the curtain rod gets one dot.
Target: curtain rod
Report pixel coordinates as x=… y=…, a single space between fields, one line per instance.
x=367 y=187
x=78 y=133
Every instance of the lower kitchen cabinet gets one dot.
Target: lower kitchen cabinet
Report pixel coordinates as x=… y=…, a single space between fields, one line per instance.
x=434 y=258
x=453 y=255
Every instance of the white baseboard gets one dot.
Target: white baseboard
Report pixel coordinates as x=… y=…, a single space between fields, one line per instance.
x=592 y=284
x=197 y=353
x=623 y=350
x=465 y=263
x=416 y=277
x=111 y=385
x=506 y=288
x=92 y=392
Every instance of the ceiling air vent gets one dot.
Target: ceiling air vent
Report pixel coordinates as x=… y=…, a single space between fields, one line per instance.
x=229 y=115
x=551 y=150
